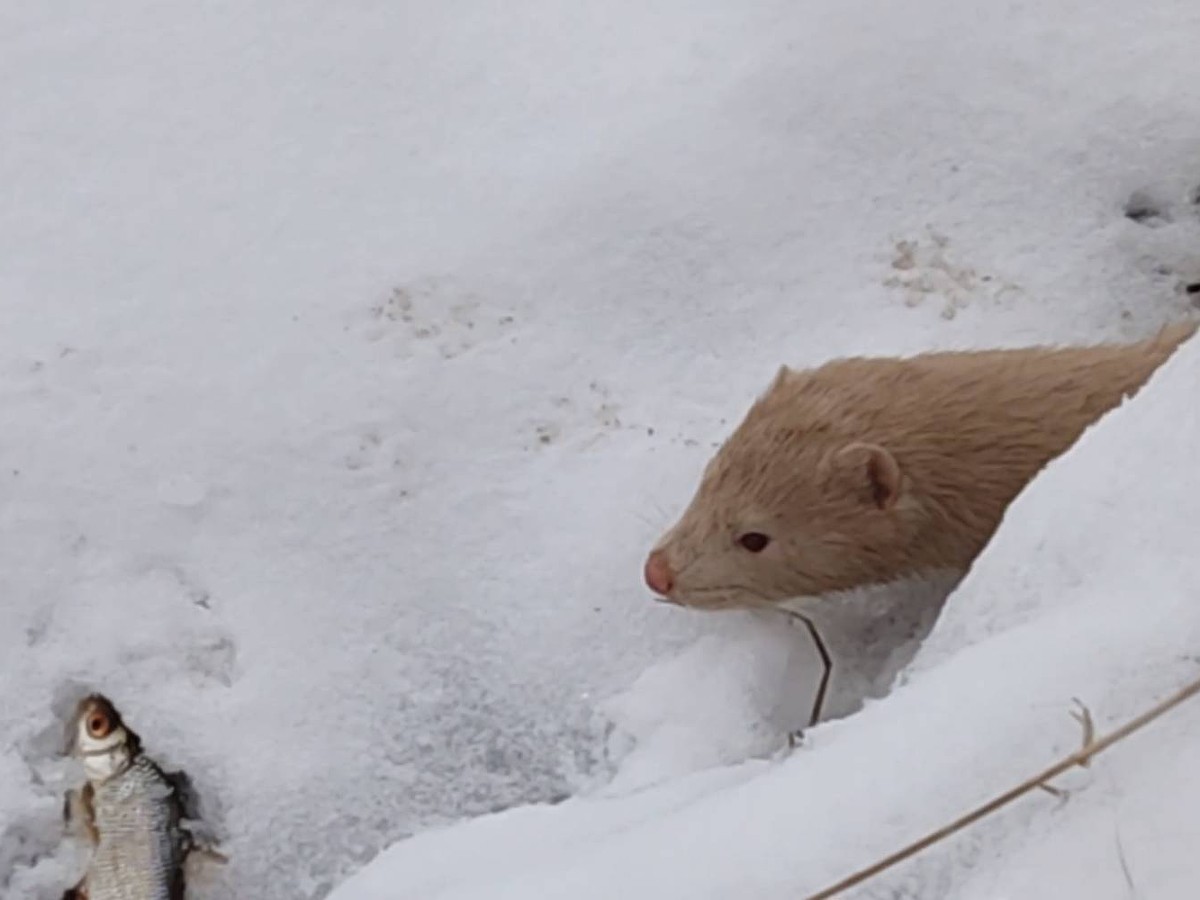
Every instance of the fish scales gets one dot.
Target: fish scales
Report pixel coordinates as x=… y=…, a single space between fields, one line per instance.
x=140 y=848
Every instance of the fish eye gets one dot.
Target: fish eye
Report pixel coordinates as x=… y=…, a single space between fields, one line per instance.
x=754 y=541
x=98 y=725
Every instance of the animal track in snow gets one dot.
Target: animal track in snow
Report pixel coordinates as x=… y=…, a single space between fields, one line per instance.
x=213 y=657
x=598 y=413
x=191 y=589
x=204 y=648
x=370 y=451
x=211 y=654
x=1145 y=208
x=367 y=451
x=923 y=269
x=433 y=312
x=1167 y=245
x=206 y=657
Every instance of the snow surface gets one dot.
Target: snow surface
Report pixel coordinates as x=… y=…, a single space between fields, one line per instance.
x=353 y=355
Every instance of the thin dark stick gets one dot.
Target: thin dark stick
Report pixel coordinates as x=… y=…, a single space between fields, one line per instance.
x=819 y=702
x=1125 y=864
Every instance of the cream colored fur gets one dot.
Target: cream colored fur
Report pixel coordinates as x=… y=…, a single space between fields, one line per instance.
x=867 y=470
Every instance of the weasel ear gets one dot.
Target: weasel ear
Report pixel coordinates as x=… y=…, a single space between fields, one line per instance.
x=870 y=471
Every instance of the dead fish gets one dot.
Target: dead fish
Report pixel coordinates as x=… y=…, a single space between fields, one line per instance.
x=131 y=812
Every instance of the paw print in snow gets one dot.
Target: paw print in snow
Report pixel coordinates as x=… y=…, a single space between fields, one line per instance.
x=598 y=410
x=204 y=649
x=606 y=412
x=213 y=658
x=1166 y=246
x=369 y=445
x=434 y=313
x=925 y=269
x=377 y=460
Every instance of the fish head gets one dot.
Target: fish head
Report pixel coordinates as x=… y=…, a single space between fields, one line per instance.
x=101 y=739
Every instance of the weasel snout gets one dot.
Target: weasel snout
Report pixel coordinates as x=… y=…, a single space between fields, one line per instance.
x=659 y=577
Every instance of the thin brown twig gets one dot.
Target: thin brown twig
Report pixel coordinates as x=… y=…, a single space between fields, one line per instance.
x=1080 y=757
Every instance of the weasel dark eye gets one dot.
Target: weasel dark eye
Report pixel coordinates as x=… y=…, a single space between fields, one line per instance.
x=754 y=541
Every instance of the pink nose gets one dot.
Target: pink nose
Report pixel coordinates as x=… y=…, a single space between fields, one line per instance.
x=659 y=577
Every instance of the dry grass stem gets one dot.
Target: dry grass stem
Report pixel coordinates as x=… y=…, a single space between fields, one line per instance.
x=1091 y=747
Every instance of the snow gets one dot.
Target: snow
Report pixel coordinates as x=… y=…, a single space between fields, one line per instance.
x=354 y=354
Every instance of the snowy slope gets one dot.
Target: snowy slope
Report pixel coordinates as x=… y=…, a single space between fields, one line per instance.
x=1055 y=609
x=353 y=354
x=1087 y=591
